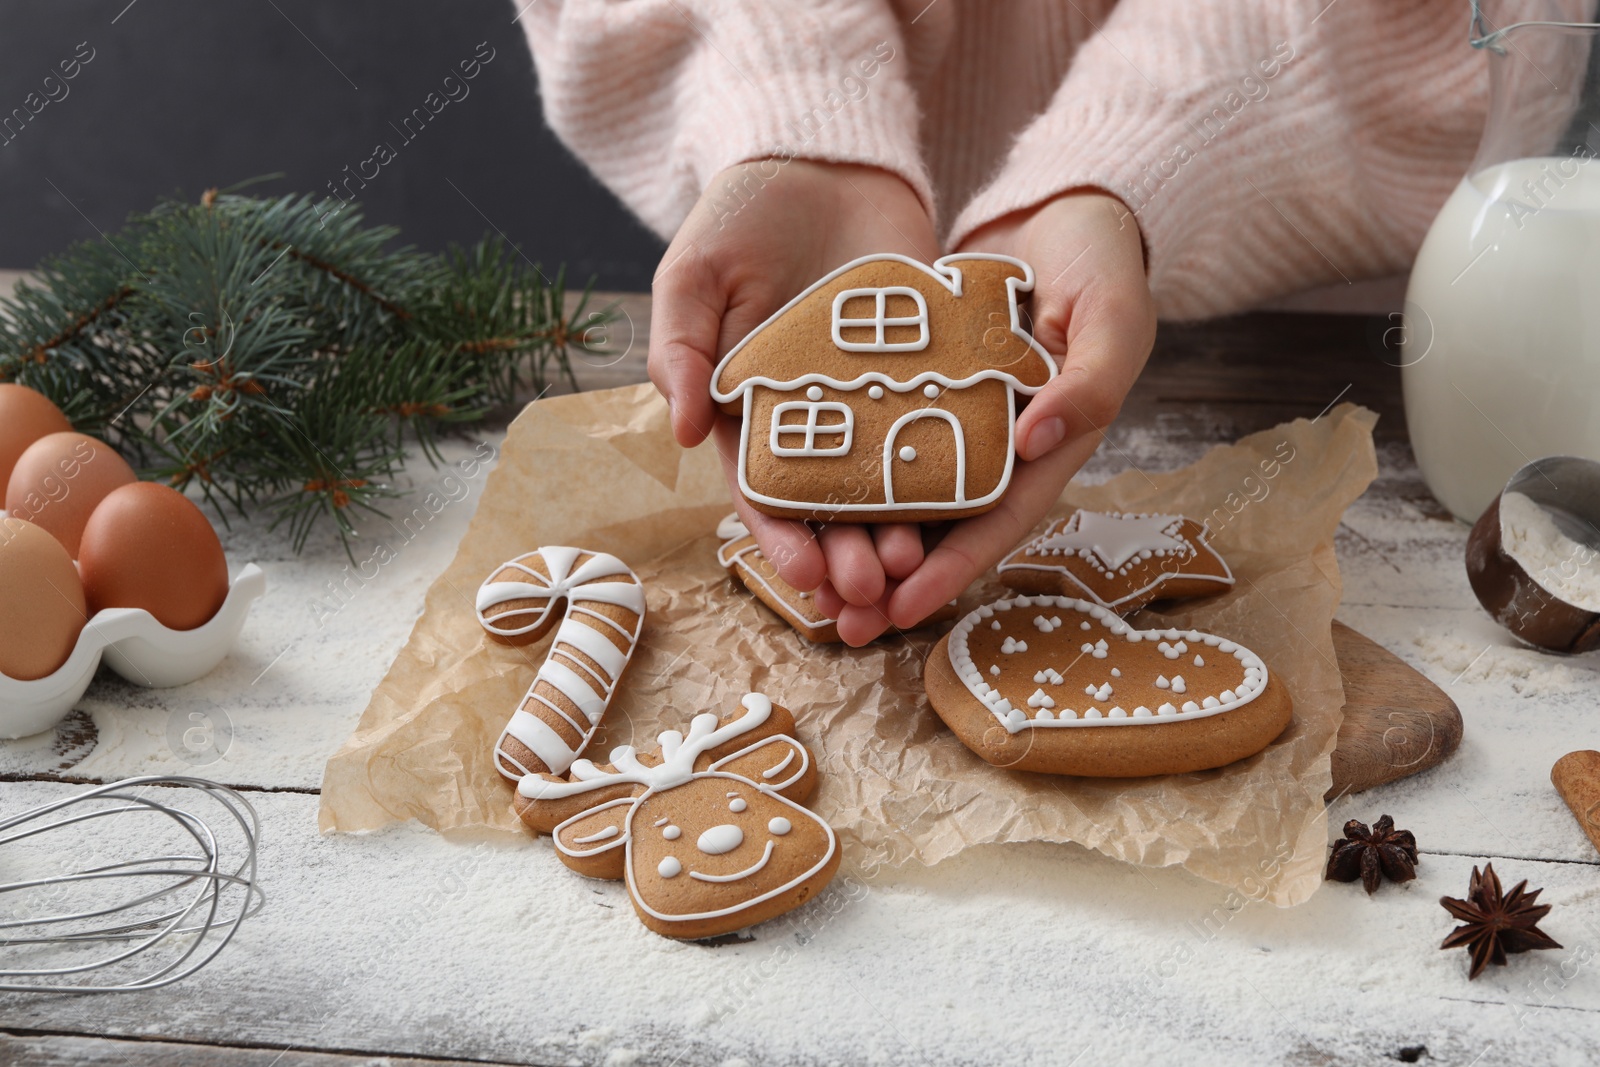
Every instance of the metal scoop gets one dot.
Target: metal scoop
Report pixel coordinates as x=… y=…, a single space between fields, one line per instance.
x=1533 y=557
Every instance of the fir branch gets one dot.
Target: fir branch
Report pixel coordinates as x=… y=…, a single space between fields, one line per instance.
x=264 y=354
x=38 y=353
x=349 y=279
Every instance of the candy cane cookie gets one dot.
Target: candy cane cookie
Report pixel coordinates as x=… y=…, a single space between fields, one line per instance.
x=605 y=609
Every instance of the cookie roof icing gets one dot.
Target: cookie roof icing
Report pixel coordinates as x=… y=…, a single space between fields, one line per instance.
x=959 y=297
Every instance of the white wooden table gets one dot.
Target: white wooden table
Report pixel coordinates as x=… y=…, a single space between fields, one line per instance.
x=402 y=948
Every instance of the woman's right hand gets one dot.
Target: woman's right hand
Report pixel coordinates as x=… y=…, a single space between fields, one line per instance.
x=759 y=235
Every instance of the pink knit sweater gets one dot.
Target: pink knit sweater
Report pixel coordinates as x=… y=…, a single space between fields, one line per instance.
x=1265 y=146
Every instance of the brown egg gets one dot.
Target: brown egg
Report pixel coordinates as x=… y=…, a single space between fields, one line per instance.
x=60 y=480
x=148 y=546
x=25 y=416
x=42 y=607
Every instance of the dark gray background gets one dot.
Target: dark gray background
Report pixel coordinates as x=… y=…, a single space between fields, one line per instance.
x=186 y=94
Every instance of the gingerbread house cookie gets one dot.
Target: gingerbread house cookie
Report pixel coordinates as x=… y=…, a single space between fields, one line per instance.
x=1063 y=686
x=709 y=830
x=1121 y=562
x=887 y=391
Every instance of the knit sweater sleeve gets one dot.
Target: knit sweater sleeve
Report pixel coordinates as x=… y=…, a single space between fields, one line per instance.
x=1264 y=146
x=658 y=96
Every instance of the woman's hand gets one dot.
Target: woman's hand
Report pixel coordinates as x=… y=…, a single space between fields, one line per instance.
x=1092 y=310
x=760 y=234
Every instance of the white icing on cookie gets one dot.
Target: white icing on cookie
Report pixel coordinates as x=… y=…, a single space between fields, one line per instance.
x=724 y=837
x=731 y=528
x=759 y=815
x=583 y=642
x=1014 y=720
x=728 y=557
x=946 y=275
x=737 y=876
x=1114 y=544
x=1115 y=539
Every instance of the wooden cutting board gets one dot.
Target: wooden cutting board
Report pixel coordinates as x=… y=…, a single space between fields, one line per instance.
x=1396 y=722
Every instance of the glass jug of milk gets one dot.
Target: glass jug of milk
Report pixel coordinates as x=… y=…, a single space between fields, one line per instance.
x=1502 y=319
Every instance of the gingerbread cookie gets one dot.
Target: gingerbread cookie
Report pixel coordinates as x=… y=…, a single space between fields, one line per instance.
x=743 y=559
x=1063 y=686
x=599 y=629
x=709 y=831
x=886 y=392
x=1122 y=562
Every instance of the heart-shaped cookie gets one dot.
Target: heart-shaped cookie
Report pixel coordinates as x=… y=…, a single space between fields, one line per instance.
x=1063 y=686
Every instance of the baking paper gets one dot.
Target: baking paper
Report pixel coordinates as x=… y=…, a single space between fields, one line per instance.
x=602 y=471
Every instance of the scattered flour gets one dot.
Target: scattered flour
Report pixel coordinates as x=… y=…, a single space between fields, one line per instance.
x=1529 y=672
x=403 y=940
x=1567 y=568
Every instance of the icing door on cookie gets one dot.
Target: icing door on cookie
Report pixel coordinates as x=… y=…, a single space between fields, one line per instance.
x=925 y=458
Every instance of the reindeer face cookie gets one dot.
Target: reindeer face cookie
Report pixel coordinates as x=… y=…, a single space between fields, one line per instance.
x=709 y=832
x=600 y=626
x=1047 y=683
x=1122 y=562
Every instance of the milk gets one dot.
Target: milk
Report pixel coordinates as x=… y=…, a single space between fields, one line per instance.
x=1502 y=328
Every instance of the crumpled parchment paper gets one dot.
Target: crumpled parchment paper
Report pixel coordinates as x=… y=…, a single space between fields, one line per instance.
x=601 y=471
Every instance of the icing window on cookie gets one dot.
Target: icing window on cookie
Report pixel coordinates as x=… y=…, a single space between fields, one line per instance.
x=811 y=428
x=880 y=320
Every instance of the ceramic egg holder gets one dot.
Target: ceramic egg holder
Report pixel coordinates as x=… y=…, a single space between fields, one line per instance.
x=136 y=646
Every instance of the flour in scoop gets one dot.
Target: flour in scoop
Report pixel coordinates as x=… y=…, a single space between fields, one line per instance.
x=1566 y=567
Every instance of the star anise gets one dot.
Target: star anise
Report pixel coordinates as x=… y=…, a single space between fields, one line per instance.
x=1496 y=922
x=1369 y=854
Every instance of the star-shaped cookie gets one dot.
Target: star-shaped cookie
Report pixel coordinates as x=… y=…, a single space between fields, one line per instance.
x=1121 y=562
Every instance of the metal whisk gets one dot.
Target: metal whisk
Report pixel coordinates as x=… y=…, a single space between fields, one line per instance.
x=140 y=905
